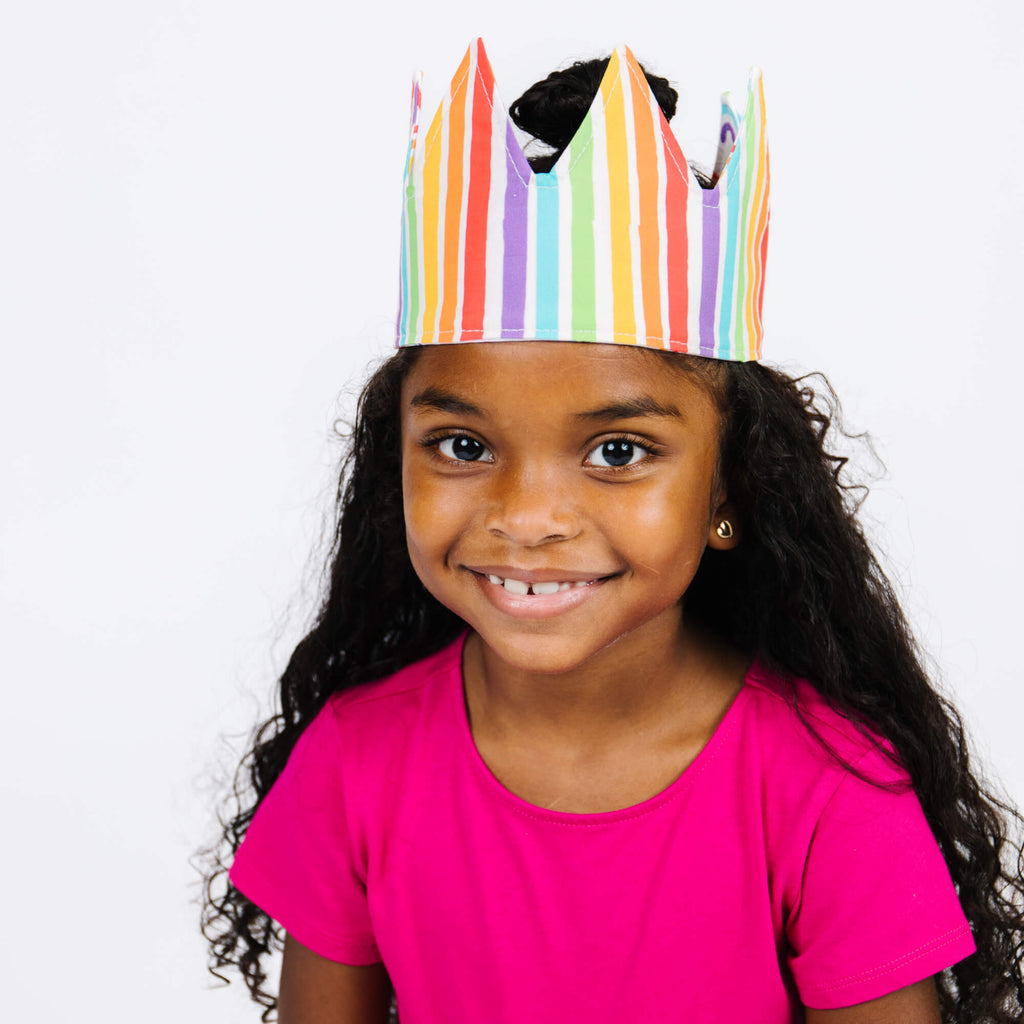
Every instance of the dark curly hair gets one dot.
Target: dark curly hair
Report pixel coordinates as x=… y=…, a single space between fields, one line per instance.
x=803 y=591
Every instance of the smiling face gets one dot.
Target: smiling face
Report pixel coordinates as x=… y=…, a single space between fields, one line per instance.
x=559 y=496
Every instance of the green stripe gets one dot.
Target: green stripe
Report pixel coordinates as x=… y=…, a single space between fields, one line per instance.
x=581 y=177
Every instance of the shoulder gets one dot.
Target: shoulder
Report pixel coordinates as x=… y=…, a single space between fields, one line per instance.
x=795 y=729
x=804 y=761
x=865 y=895
x=387 y=707
x=368 y=737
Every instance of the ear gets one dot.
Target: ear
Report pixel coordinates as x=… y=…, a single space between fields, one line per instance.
x=724 y=532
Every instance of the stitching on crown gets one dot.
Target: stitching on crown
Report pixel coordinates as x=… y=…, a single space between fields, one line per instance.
x=731 y=165
x=508 y=152
x=724 y=179
x=604 y=106
x=579 y=155
x=456 y=85
x=583 y=335
x=669 y=155
x=732 y=162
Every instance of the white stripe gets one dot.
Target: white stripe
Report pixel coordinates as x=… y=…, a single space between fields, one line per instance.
x=744 y=233
x=417 y=271
x=495 y=221
x=694 y=259
x=442 y=197
x=663 y=228
x=467 y=140
x=605 y=325
x=564 y=248
x=530 y=304
x=633 y=186
x=724 y=207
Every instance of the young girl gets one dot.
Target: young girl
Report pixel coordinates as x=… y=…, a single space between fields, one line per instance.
x=610 y=713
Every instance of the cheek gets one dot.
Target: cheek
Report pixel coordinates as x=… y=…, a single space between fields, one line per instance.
x=417 y=506
x=666 y=529
x=672 y=512
x=435 y=518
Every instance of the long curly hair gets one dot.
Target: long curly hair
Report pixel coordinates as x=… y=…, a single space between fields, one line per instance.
x=803 y=591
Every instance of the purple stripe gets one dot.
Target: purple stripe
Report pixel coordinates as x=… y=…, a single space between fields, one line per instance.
x=709 y=273
x=513 y=301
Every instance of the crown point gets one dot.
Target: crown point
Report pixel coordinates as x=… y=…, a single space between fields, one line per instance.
x=481 y=232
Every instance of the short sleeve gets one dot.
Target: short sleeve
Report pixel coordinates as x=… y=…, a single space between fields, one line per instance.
x=877 y=908
x=296 y=861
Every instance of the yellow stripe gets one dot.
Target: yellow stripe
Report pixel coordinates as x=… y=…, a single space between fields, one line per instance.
x=623 y=316
x=431 y=198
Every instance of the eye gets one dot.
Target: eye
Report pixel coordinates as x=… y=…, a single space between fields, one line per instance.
x=462 y=448
x=617 y=453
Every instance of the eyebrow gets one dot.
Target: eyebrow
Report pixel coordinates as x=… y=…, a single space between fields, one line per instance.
x=628 y=408
x=446 y=401
x=434 y=397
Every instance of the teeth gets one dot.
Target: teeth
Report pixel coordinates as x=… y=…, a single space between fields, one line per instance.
x=522 y=588
x=545 y=588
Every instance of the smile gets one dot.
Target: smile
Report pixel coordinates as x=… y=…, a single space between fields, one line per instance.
x=523 y=587
x=536 y=594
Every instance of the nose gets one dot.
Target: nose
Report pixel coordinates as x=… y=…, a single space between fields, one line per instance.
x=530 y=507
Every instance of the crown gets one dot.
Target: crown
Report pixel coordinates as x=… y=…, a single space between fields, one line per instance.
x=618 y=243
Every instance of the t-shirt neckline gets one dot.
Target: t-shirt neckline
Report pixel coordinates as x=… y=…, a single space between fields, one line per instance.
x=689 y=775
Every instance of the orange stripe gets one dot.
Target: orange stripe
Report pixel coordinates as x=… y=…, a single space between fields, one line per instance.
x=475 y=270
x=623 y=318
x=453 y=201
x=647 y=183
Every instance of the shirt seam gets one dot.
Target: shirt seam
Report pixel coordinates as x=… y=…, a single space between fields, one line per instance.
x=268 y=888
x=840 y=782
x=960 y=931
x=867 y=744
x=671 y=793
x=349 y=699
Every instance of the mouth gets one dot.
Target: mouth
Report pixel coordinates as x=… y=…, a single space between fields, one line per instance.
x=530 y=585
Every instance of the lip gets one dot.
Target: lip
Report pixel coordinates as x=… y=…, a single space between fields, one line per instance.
x=538 y=575
x=537 y=606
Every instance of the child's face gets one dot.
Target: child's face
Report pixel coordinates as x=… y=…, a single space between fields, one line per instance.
x=589 y=467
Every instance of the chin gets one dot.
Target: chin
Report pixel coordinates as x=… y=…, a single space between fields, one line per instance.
x=539 y=653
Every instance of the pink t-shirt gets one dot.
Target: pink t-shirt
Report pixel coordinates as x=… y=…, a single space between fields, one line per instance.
x=763 y=878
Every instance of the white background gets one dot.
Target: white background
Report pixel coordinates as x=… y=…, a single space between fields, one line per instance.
x=198 y=253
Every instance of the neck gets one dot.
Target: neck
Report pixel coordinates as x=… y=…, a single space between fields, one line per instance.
x=666 y=671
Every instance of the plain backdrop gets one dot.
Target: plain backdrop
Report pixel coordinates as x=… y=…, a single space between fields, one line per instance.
x=198 y=260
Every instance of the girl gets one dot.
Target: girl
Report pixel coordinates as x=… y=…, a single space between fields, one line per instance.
x=610 y=713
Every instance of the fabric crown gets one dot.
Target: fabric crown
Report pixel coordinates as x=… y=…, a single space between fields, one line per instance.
x=618 y=243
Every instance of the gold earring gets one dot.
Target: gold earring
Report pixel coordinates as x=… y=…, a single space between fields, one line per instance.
x=724 y=529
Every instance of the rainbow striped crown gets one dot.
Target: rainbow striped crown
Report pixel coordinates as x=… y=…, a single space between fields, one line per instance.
x=617 y=243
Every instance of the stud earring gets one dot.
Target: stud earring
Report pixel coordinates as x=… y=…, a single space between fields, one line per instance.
x=724 y=529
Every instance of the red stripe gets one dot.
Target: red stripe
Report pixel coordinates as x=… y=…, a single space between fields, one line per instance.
x=475 y=269
x=677 y=187
x=446 y=327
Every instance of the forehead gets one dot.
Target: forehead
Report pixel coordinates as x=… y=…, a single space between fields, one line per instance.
x=565 y=374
